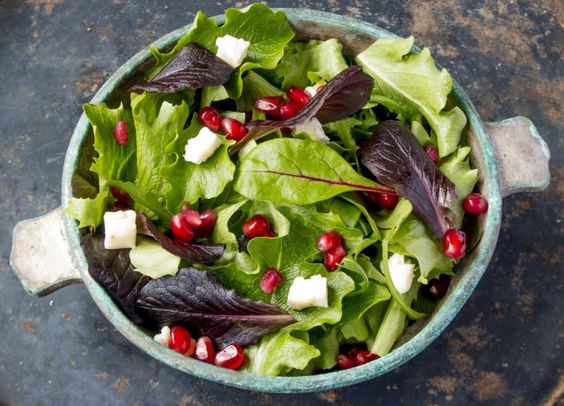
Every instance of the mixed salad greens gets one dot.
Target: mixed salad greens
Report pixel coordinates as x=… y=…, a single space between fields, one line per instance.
x=301 y=184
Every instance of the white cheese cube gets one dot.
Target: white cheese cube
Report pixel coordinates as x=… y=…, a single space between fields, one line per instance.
x=163 y=337
x=313 y=130
x=202 y=146
x=308 y=292
x=401 y=273
x=232 y=50
x=121 y=229
x=312 y=90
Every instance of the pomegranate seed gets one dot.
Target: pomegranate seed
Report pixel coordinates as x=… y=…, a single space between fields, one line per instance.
x=180 y=229
x=233 y=129
x=118 y=206
x=437 y=288
x=120 y=132
x=270 y=105
x=289 y=110
x=180 y=340
x=270 y=280
x=384 y=200
x=432 y=152
x=231 y=357
x=344 y=362
x=121 y=196
x=210 y=118
x=454 y=243
x=298 y=96
x=191 y=218
x=271 y=234
x=475 y=203
x=248 y=116
x=329 y=241
x=207 y=225
x=334 y=258
x=257 y=226
x=360 y=357
x=204 y=350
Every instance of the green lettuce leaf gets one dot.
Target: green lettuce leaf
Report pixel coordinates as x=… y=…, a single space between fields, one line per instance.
x=88 y=211
x=317 y=61
x=411 y=85
x=152 y=260
x=268 y=32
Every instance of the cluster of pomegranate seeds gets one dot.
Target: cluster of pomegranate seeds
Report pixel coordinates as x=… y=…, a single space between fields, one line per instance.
x=231 y=357
x=383 y=200
x=331 y=244
x=270 y=280
x=258 y=226
x=344 y=362
x=233 y=129
x=432 y=152
x=277 y=107
x=181 y=341
x=356 y=356
x=475 y=203
x=121 y=133
x=190 y=224
x=210 y=117
x=454 y=243
x=204 y=350
x=437 y=288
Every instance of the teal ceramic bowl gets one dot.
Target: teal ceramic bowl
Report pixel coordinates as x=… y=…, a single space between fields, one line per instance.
x=504 y=169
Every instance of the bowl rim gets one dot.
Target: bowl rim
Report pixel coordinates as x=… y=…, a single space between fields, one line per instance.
x=435 y=325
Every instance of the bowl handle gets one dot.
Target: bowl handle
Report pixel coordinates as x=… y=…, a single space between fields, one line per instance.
x=522 y=155
x=40 y=256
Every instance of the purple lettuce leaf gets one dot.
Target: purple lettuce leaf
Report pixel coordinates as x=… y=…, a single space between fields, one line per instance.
x=196 y=253
x=193 y=67
x=112 y=269
x=198 y=300
x=397 y=160
x=342 y=96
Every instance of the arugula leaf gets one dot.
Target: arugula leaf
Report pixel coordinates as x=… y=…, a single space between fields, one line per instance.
x=294 y=171
x=318 y=60
x=150 y=259
x=193 y=67
x=268 y=32
x=198 y=299
x=397 y=160
x=410 y=84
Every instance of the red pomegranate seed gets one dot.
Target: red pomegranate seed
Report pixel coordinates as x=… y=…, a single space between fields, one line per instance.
x=384 y=200
x=270 y=105
x=334 y=258
x=454 y=243
x=233 y=129
x=180 y=340
x=437 y=288
x=271 y=234
x=118 y=206
x=298 y=96
x=207 y=225
x=120 y=132
x=360 y=357
x=289 y=110
x=248 y=116
x=191 y=218
x=231 y=357
x=329 y=241
x=204 y=350
x=475 y=203
x=257 y=226
x=121 y=196
x=180 y=229
x=210 y=118
x=270 y=280
x=432 y=152
x=344 y=362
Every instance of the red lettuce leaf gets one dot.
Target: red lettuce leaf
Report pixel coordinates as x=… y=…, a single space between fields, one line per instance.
x=198 y=300
x=196 y=253
x=193 y=67
x=112 y=269
x=397 y=160
x=342 y=96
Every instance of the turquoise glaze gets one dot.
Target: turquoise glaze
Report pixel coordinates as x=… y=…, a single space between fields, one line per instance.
x=469 y=273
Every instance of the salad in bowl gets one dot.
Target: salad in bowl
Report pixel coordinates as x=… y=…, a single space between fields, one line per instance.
x=273 y=205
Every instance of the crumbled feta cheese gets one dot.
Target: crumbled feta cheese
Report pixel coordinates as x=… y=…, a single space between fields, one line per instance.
x=121 y=229
x=245 y=149
x=308 y=292
x=202 y=146
x=312 y=90
x=163 y=337
x=232 y=50
x=401 y=273
x=313 y=130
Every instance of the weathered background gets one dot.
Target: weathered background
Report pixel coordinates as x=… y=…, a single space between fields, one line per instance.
x=505 y=347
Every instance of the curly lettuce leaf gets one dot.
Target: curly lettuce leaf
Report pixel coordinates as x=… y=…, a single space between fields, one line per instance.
x=410 y=85
x=268 y=32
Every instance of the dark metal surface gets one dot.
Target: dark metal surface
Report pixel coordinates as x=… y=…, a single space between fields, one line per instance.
x=505 y=347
